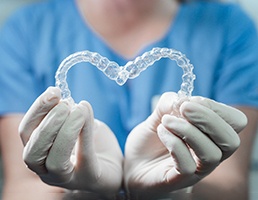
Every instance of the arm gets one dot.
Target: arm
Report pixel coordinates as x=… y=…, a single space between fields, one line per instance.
x=18 y=180
x=230 y=179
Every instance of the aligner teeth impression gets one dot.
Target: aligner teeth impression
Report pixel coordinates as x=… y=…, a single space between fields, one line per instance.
x=131 y=70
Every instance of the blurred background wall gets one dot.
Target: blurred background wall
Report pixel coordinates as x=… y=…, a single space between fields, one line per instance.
x=8 y=6
x=251 y=6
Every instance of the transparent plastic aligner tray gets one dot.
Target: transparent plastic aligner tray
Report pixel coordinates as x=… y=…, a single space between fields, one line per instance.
x=132 y=69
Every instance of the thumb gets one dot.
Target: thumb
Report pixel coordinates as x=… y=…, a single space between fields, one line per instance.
x=165 y=105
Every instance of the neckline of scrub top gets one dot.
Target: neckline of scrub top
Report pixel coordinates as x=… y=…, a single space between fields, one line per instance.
x=171 y=28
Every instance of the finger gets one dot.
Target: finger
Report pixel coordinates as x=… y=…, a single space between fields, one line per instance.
x=58 y=162
x=87 y=159
x=43 y=104
x=231 y=115
x=86 y=149
x=213 y=125
x=183 y=161
x=37 y=148
x=164 y=106
x=206 y=154
x=86 y=137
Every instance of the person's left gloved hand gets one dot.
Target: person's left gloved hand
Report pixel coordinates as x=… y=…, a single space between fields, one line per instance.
x=166 y=153
x=50 y=130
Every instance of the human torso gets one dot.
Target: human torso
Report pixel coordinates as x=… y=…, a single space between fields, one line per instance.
x=122 y=107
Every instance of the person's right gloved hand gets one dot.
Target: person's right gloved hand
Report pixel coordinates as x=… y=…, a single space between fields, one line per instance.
x=52 y=128
x=166 y=153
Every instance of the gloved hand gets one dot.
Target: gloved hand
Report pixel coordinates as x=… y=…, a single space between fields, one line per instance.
x=51 y=129
x=166 y=153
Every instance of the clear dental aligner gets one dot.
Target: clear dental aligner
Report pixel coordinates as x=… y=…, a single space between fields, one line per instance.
x=131 y=70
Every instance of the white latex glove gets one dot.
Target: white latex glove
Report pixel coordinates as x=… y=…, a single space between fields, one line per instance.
x=50 y=130
x=166 y=153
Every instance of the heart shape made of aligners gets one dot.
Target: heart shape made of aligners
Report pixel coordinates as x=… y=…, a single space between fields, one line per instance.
x=129 y=71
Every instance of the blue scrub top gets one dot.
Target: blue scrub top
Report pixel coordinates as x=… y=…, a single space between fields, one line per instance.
x=219 y=39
